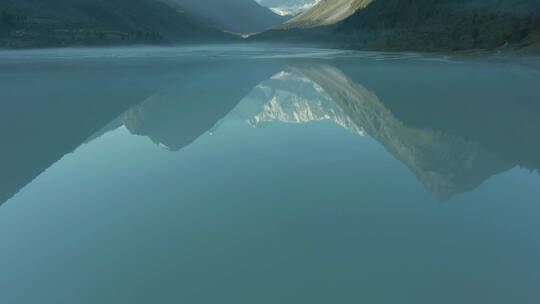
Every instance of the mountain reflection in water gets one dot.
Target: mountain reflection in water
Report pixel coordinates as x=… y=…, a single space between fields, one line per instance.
x=454 y=128
x=238 y=178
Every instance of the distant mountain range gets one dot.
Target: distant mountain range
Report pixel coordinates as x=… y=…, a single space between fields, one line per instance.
x=241 y=16
x=53 y=23
x=288 y=7
x=395 y=25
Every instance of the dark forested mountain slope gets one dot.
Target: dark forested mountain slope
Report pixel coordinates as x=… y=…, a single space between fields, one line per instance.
x=443 y=24
x=427 y=25
x=242 y=16
x=42 y=23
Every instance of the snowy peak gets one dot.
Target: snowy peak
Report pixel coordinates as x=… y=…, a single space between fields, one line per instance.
x=325 y=12
x=239 y=16
x=288 y=7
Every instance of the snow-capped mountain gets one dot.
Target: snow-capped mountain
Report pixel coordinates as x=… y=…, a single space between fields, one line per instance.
x=241 y=16
x=326 y=12
x=288 y=7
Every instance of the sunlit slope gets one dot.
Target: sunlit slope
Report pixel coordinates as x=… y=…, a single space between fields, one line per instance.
x=326 y=12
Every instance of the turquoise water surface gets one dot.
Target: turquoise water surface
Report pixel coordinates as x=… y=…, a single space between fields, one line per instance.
x=234 y=174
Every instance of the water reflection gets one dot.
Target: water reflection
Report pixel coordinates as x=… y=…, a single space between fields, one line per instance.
x=290 y=97
x=176 y=116
x=444 y=164
x=453 y=131
x=50 y=110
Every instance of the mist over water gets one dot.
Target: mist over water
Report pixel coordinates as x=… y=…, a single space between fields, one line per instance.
x=258 y=174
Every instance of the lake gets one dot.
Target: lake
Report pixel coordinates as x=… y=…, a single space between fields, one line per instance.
x=255 y=174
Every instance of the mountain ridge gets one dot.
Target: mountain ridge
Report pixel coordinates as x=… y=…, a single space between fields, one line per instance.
x=439 y=25
x=58 y=23
x=240 y=16
x=422 y=25
x=325 y=12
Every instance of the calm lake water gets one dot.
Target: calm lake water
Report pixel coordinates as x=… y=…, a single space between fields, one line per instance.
x=253 y=175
